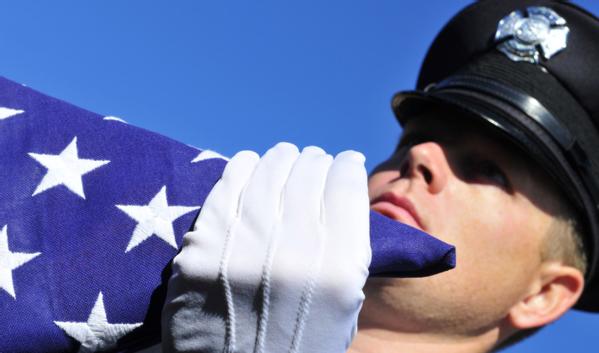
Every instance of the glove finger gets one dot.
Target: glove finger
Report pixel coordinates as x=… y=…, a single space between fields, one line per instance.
x=346 y=202
x=304 y=189
x=339 y=296
x=194 y=314
x=250 y=240
x=262 y=197
x=346 y=181
x=260 y=205
x=302 y=217
x=217 y=215
x=297 y=249
x=223 y=200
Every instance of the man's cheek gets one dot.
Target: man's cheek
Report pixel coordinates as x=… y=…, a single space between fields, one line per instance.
x=377 y=181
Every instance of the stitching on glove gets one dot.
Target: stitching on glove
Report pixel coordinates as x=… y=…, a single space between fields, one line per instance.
x=265 y=290
x=306 y=300
x=223 y=277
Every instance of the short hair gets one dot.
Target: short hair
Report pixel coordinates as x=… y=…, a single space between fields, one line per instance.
x=563 y=242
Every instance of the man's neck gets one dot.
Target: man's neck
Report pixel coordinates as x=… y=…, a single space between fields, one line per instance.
x=377 y=340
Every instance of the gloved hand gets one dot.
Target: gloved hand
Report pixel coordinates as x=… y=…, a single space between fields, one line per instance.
x=277 y=258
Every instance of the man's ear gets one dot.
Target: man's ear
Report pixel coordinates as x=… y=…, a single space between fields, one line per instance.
x=556 y=289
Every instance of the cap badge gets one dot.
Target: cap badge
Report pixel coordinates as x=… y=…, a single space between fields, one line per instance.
x=527 y=37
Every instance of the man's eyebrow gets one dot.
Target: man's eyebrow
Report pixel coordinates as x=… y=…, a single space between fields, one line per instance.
x=408 y=137
x=427 y=135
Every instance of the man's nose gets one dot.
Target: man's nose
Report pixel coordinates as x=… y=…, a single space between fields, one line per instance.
x=427 y=162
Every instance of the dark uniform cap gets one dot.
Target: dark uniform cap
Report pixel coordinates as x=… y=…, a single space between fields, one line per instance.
x=531 y=69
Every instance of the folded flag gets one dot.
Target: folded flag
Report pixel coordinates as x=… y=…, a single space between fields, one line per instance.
x=92 y=211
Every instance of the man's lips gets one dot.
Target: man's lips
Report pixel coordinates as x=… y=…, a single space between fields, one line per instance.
x=398 y=208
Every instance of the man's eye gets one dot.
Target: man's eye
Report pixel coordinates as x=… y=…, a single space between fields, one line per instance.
x=485 y=171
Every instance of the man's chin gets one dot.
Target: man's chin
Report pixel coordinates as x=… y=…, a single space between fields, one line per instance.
x=379 y=283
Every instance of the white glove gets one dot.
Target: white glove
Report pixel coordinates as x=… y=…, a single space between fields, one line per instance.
x=277 y=259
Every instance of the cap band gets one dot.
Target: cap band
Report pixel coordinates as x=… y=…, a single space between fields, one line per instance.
x=527 y=104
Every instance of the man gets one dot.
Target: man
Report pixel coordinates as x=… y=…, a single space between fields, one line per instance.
x=499 y=210
x=452 y=176
x=497 y=158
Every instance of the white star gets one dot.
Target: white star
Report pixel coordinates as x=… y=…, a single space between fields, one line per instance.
x=208 y=154
x=155 y=218
x=65 y=169
x=114 y=118
x=97 y=334
x=6 y=113
x=10 y=261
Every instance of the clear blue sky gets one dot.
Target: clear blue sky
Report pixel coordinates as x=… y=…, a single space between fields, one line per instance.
x=232 y=75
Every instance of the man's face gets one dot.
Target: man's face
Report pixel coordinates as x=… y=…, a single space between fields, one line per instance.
x=466 y=185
